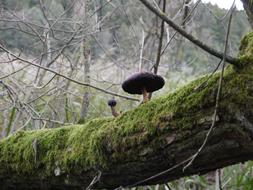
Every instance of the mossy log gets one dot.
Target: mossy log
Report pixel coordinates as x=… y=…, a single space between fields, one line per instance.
x=142 y=142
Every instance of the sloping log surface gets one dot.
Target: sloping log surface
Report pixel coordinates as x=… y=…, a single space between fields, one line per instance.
x=142 y=142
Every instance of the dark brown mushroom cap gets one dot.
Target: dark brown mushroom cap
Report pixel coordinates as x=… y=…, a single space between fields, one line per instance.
x=112 y=103
x=136 y=82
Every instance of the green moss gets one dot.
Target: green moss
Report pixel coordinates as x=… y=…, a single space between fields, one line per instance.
x=92 y=144
x=100 y=142
x=246 y=47
x=68 y=147
x=246 y=50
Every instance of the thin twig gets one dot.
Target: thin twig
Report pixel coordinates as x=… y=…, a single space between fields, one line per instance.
x=167 y=185
x=203 y=84
x=194 y=40
x=68 y=78
x=174 y=34
x=141 y=50
x=94 y=181
x=14 y=72
x=160 y=174
x=158 y=56
x=218 y=185
x=159 y=49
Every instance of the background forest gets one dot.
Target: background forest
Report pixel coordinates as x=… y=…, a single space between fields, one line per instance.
x=63 y=60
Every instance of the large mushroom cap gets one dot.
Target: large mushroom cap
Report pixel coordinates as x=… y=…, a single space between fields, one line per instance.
x=112 y=102
x=138 y=81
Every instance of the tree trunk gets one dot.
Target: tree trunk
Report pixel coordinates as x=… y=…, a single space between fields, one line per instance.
x=86 y=59
x=248 y=6
x=158 y=135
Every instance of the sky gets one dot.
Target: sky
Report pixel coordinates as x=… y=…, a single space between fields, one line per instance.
x=225 y=3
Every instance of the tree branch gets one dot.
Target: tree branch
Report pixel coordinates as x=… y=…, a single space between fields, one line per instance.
x=148 y=145
x=191 y=38
x=64 y=76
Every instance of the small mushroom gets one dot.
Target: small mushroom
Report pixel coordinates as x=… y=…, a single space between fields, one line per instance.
x=112 y=103
x=143 y=83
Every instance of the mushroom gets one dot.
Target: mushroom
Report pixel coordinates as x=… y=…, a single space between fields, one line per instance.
x=112 y=103
x=143 y=83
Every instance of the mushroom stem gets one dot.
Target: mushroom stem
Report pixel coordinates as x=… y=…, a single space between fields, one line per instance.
x=114 y=112
x=145 y=95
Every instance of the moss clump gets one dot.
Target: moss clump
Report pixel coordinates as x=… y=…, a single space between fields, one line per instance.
x=246 y=47
x=43 y=150
x=101 y=142
x=246 y=50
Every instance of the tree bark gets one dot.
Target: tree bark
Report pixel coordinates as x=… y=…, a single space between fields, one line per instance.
x=158 y=136
x=86 y=58
x=248 y=7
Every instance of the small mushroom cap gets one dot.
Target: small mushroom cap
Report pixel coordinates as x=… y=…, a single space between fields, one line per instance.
x=112 y=102
x=136 y=82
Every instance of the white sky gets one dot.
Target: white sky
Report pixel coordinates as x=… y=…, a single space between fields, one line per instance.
x=225 y=3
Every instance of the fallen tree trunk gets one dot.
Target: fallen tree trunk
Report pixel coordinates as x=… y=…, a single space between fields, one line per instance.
x=158 y=135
